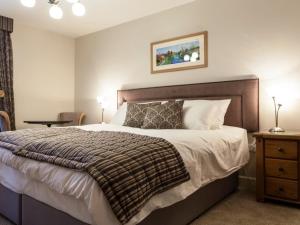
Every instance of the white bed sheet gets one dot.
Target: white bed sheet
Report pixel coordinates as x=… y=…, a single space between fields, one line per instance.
x=208 y=155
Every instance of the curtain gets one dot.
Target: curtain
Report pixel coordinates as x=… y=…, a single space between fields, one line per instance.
x=6 y=69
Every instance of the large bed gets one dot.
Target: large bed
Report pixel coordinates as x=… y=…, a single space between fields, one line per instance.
x=35 y=193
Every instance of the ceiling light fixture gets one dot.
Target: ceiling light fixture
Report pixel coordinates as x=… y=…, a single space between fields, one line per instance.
x=78 y=9
x=55 y=10
x=28 y=3
x=72 y=1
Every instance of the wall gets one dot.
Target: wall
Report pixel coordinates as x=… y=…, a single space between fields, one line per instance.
x=245 y=37
x=43 y=74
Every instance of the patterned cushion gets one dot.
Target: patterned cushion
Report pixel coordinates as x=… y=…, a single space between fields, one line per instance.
x=136 y=113
x=165 y=116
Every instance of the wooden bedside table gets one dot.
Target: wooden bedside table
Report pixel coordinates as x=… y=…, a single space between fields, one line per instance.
x=278 y=166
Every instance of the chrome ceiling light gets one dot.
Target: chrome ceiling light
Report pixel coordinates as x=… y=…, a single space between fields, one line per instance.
x=28 y=3
x=78 y=9
x=55 y=10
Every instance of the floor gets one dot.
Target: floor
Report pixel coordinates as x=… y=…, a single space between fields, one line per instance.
x=4 y=222
x=241 y=209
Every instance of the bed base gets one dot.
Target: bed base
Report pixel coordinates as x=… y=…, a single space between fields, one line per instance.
x=10 y=205
x=184 y=212
x=24 y=210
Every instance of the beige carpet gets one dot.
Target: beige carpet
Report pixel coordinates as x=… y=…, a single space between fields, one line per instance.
x=241 y=209
x=4 y=222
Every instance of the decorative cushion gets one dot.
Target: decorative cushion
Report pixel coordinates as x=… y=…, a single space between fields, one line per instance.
x=136 y=113
x=165 y=116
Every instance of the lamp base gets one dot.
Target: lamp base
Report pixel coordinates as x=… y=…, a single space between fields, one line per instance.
x=276 y=129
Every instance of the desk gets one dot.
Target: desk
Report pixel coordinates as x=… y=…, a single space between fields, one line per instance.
x=48 y=123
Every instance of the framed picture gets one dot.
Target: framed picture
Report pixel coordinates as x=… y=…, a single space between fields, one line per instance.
x=181 y=53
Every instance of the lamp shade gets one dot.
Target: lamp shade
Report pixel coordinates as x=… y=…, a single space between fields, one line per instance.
x=102 y=101
x=56 y=12
x=78 y=9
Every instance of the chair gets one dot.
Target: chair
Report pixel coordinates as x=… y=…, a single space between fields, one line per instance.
x=4 y=121
x=76 y=117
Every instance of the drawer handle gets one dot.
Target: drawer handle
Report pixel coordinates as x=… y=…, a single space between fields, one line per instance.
x=280 y=150
x=280 y=169
x=280 y=189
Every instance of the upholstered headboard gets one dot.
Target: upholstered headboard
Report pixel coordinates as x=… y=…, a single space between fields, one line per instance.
x=243 y=110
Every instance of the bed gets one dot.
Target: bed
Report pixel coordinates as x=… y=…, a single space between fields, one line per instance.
x=29 y=201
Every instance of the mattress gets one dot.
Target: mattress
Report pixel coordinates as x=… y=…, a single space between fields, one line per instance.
x=208 y=155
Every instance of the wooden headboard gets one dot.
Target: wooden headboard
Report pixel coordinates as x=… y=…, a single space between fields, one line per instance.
x=243 y=110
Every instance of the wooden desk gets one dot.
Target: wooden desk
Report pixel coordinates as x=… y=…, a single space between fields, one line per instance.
x=48 y=123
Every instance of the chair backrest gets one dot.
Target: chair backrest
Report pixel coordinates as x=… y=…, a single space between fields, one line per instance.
x=4 y=121
x=76 y=117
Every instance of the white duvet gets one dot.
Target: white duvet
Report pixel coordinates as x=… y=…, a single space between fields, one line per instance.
x=208 y=155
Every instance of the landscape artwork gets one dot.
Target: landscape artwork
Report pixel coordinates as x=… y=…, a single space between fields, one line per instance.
x=181 y=53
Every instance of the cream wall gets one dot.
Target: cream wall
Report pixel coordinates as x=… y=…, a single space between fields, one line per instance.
x=245 y=37
x=43 y=74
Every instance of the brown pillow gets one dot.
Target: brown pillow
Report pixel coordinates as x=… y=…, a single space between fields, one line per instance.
x=165 y=116
x=136 y=113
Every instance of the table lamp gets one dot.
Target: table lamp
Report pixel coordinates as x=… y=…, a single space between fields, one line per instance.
x=102 y=101
x=277 y=107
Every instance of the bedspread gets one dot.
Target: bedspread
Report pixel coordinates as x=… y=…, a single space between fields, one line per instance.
x=129 y=168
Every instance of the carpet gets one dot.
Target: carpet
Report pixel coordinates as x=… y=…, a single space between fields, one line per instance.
x=241 y=208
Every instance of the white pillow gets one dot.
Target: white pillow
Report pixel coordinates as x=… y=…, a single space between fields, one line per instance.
x=204 y=114
x=119 y=117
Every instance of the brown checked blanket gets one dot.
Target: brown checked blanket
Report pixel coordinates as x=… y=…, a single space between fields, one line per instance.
x=129 y=168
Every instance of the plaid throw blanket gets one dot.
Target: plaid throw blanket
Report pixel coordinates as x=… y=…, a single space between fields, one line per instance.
x=129 y=168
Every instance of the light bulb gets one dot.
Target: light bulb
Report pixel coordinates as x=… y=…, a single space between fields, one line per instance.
x=28 y=3
x=78 y=9
x=56 y=12
x=72 y=1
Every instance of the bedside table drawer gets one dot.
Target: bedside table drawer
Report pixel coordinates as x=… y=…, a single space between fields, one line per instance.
x=282 y=188
x=281 y=168
x=281 y=149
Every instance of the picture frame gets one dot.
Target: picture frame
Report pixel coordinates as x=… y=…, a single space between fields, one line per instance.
x=180 y=53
